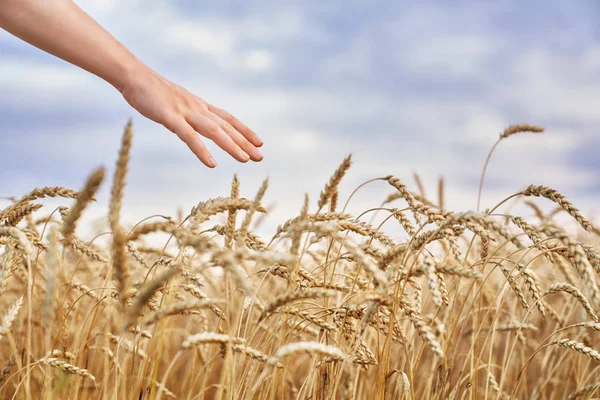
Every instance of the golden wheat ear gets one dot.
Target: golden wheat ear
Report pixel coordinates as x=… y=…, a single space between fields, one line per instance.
x=506 y=133
x=118 y=186
x=331 y=187
x=85 y=196
x=230 y=226
x=119 y=238
x=561 y=200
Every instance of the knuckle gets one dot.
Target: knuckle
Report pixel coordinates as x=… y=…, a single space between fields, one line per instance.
x=186 y=136
x=225 y=114
x=213 y=129
x=200 y=107
x=227 y=126
x=171 y=124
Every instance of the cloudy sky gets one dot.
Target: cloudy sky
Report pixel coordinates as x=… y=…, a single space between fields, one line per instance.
x=424 y=86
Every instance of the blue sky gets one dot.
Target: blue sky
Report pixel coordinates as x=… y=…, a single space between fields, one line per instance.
x=406 y=86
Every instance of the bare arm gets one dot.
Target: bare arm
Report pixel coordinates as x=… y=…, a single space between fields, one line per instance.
x=63 y=29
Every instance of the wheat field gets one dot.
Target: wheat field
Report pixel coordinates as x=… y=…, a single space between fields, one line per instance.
x=462 y=305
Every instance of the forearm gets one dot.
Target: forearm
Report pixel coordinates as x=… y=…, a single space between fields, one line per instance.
x=61 y=28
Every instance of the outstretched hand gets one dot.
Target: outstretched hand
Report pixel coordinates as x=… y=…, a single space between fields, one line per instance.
x=65 y=30
x=189 y=116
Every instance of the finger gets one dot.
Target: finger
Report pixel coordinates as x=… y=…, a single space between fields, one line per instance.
x=190 y=137
x=213 y=131
x=237 y=137
x=238 y=125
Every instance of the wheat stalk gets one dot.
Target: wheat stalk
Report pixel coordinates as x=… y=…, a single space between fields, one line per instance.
x=203 y=211
x=68 y=368
x=144 y=296
x=10 y=317
x=38 y=193
x=118 y=186
x=230 y=227
x=21 y=212
x=209 y=337
x=573 y=291
x=585 y=391
x=288 y=298
x=84 y=197
x=557 y=197
x=422 y=329
x=178 y=308
x=5 y=372
x=520 y=128
x=20 y=237
x=334 y=181
x=578 y=347
x=309 y=347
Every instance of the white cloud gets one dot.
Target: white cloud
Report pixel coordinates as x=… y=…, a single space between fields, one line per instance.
x=190 y=36
x=549 y=85
x=304 y=142
x=42 y=85
x=590 y=60
x=458 y=55
x=16 y=73
x=259 y=60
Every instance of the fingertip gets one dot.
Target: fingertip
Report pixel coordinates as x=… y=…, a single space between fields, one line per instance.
x=243 y=156
x=253 y=138
x=211 y=162
x=256 y=155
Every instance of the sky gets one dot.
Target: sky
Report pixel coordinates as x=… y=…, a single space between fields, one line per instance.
x=404 y=86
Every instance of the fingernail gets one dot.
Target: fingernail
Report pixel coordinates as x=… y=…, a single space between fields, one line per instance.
x=260 y=142
x=257 y=154
x=244 y=156
x=212 y=162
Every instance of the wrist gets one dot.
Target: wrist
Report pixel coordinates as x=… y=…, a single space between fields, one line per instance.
x=128 y=71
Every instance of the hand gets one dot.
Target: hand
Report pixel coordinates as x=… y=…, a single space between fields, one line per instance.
x=189 y=116
x=65 y=30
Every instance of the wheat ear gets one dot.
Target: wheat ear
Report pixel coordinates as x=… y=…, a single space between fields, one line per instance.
x=558 y=198
x=578 y=347
x=119 y=239
x=331 y=187
x=573 y=291
x=84 y=197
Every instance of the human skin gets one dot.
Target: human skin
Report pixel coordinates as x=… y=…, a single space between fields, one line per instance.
x=61 y=28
